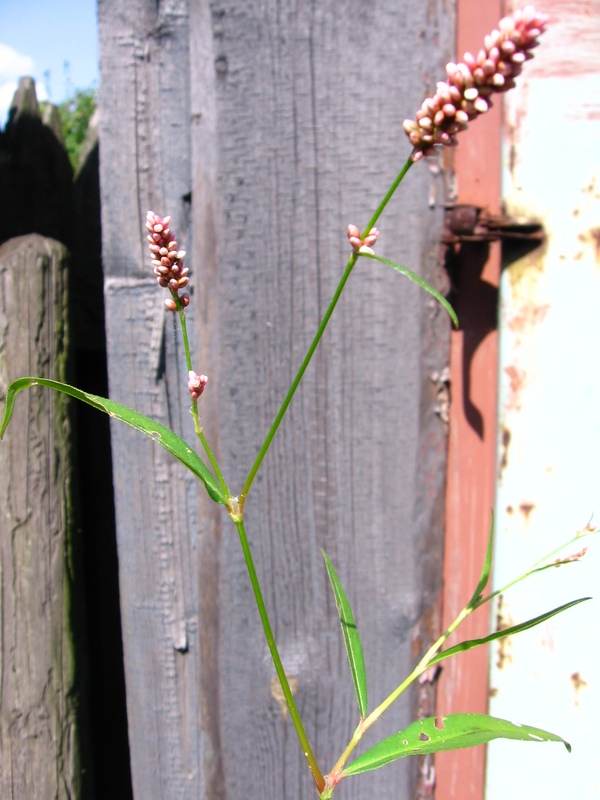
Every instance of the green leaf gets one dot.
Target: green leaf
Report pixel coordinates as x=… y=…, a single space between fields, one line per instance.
x=522 y=626
x=487 y=567
x=418 y=280
x=351 y=638
x=159 y=433
x=434 y=734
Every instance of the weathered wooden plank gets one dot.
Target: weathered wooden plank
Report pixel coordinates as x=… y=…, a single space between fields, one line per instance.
x=297 y=112
x=144 y=158
x=284 y=122
x=156 y=534
x=40 y=748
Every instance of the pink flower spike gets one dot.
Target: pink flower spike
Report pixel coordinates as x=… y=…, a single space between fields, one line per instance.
x=167 y=259
x=470 y=83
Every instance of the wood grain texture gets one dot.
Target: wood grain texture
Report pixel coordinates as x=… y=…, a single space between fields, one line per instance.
x=283 y=120
x=40 y=753
x=144 y=163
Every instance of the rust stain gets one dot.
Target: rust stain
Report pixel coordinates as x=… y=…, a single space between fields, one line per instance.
x=593 y=236
x=527 y=316
x=591 y=113
x=591 y=188
x=427 y=630
x=528 y=267
x=503 y=621
x=504 y=442
x=517 y=378
x=578 y=683
x=526 y=509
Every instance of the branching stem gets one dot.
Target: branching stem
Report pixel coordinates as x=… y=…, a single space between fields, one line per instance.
x=195 y=416
x=321 y=329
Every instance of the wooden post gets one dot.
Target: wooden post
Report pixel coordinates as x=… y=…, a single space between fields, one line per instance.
x=263 y=130
x=40 y=755
x=464 y=683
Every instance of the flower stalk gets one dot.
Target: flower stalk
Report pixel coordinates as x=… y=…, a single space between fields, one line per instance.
x=470 y=84
x=465 y=94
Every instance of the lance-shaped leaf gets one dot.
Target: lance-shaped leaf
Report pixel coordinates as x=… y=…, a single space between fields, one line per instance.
x=434 y=734
x=159 y=433
x=522 y=626
x=351 y=638
x=487 y=567
x=418 y=280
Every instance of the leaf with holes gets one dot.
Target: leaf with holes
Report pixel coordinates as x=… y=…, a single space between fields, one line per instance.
x=159 y=433
x=434 y=734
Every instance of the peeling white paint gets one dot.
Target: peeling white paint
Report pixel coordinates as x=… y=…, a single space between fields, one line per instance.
x=549 y=426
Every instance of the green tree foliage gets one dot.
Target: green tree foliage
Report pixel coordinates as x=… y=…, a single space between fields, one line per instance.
x=75 y=113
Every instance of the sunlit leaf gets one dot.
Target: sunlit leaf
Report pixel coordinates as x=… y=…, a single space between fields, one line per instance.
x=434 y=734
x=418 y=280
x=522 y=626
x=159 y=433
x=487 y=567
x=351 y=638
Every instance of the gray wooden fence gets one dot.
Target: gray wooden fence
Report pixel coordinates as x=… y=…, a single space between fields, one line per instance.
x=62 y=717
x=41 y=711
x=263 y=129
x=40 y=715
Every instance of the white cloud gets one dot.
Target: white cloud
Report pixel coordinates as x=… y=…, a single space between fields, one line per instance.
x=14 y=65
x=7 y=91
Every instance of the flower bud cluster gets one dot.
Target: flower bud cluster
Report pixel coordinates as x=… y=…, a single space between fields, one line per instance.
x=573 y=557
x=362 y=245
x=196 y=384
x=467 y=91
x=167 y=259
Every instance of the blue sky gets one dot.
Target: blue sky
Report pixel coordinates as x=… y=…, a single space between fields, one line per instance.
x=54 y=41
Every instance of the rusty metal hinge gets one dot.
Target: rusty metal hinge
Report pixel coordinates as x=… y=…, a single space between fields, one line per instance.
x=464 y=223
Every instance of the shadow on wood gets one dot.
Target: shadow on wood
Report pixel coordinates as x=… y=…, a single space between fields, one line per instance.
x=84 y=745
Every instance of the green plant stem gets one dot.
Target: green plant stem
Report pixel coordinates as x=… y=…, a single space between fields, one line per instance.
x=285 y=686
x=195 y=416
x=390 y=193
x=365 y=724
x=539 y=566
x=321 y=329
x=476 y=602
x=292 y=390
